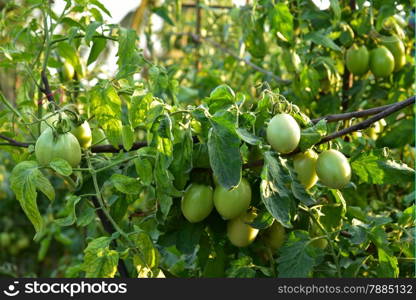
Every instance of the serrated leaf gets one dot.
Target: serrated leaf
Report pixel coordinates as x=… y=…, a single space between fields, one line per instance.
x=312 y=135
x=99 y=260
x=125 y=184
x=275 y=194
x=70 y=205
x=248 y=137
x=61 y=166
x=376 y=169
x=127 y=137
x=26 y=179
x=281 y=21
x=297 y=257
x=97 y=47
x=144 y=170
x=321 y=39
x=148 y=258
x=262 y=221
x=90 y=31
x=224 y=153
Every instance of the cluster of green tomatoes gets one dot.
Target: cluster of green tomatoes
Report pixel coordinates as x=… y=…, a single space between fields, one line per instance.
x=65 y=143
x=382 y=60
x=283 y=133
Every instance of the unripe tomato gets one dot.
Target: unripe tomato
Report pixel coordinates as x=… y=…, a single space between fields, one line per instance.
x=396 y=47
x=381 y=62
x=321 y=243
x=239 y=232
x=98 y=137
x=51 y=120
x=283 y=133
x=197 y=202
x=22 y=243
x=68 y=71
x=64 y=146
x=275 y=236
x=232 y=203
x=305 y=164
x=333 y=169
x=357 y=60
x=83 y=134
x=5 y=239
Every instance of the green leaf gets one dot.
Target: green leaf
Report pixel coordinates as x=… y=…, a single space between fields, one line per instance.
x=224 y=153
x=99 y=260
x=90 y=31
x=26 y=179
x=263 y=220
x=100 y=6
x=373 y=168
x=148 y=258
x=312 y=135
x=388 y=266
x=407 y=218
x=106 y=106
x=125 y=184
x=182 y=158
x=242 y=267
x=127 y=137
x=248 y=137
x=70 y=218
x=281 y=21
x=275 y=194
x=320 y=39
x=297 y=257
x=299 y=191
x=69 y=53
x=144 y=170
x=129 y=59
x=61 y=166
x=97 y=47
x=86 y=216
x=162 y=11
x=336 y=9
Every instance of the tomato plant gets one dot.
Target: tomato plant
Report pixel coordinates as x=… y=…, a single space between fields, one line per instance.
x=267 y=139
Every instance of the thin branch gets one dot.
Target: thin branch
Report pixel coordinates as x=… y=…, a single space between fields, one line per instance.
x=112 y=149
x=190 y=5
x=14 y=143
x=365 y=124
x=353 y=114
x=246 y=61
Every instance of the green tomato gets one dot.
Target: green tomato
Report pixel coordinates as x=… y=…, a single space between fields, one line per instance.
x=357 y=60
x=232 y=203
x=98 y=137
x=22 y=243
x=275 y=236
x=396 y=47
x=333 y=169
x=197 y=202
x=68 y=71
x=283 y=133
x=239 y=232
x=5 y=239
x=64 y=146
x=321 y=243
x=381 y=62
x=305 y=164
x=83 y=134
